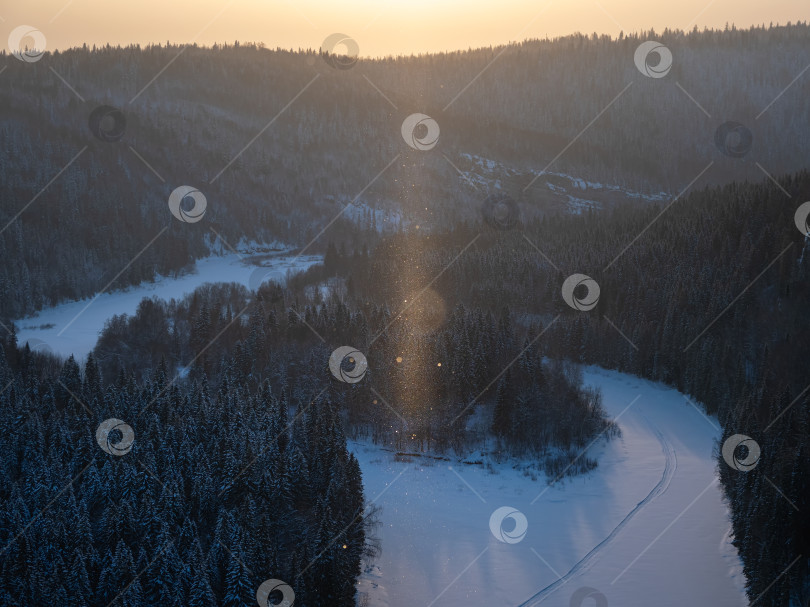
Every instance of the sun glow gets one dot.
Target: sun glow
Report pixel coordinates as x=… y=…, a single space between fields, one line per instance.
x=392 y=27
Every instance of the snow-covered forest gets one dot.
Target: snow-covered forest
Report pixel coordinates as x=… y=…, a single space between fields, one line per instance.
x=222 y=483
x=449 y=272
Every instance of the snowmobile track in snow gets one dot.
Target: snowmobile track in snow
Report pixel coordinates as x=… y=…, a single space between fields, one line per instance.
x=671 y=464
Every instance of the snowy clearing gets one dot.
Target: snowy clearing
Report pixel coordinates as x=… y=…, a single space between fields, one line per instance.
x=74 y=327
x=647 y=527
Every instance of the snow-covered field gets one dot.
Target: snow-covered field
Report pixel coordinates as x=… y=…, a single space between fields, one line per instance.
x=647 y=527
x=74 y=327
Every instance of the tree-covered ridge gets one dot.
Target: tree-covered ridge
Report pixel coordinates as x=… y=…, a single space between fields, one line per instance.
x=190 y=123
x=223 y=489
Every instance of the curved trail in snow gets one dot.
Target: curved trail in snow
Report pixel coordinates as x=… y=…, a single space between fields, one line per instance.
x=671 y=464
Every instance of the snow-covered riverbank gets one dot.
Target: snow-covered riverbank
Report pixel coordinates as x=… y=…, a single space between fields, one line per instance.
x=647 y=527
x=73 y=327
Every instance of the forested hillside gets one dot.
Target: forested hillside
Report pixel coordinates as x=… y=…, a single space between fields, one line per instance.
x=218 y=119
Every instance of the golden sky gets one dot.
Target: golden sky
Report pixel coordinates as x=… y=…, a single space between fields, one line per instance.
x=380 y=27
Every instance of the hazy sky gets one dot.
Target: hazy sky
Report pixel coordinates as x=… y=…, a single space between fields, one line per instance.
x=380 y=27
